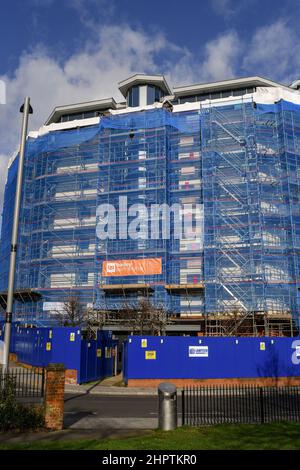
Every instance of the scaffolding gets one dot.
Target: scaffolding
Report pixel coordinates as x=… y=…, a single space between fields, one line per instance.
x=133 y=163
x=57 y=224
x=233 y=168
x=250 y=242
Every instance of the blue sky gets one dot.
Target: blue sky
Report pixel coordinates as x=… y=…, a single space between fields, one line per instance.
x=64 y=26
x=63 y=51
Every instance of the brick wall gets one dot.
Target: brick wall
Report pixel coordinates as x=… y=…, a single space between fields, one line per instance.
x=54 y=396
x=71 y=376
x=260 y=381
x=13 y=357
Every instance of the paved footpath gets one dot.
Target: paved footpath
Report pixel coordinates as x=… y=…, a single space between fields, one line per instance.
x=89 y=416
x=98 y=416
x=68 y=435
x=98 y=389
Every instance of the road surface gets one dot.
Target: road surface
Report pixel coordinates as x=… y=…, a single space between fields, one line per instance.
x=97 y=411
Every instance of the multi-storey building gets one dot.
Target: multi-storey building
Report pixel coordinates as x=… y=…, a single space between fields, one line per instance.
x=227 y=153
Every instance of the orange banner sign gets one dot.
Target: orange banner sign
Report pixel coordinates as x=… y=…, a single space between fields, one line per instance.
x=132 y=267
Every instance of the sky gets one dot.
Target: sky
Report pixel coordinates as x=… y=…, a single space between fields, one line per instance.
x=66 y=51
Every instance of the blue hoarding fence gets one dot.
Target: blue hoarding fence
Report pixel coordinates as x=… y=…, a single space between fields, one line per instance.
x=178 y=357
x=93 y=359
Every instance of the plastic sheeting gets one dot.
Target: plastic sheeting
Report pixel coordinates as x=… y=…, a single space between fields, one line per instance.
x=165 y=157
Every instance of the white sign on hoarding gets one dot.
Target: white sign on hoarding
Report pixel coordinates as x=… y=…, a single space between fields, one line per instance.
x=198 y=351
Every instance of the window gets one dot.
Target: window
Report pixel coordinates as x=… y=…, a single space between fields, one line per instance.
x=215 y=95
x=72 y=117
x=158 y=94
x=203 y=97
x=134 y=97
x=153 y=94
x=150 y=94
x=188 y=99
x=239 y=92
x=226 y=93
x=89 y=114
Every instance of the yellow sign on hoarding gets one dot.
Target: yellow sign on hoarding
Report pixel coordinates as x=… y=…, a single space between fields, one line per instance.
x=48 y=346
x=72 y=336
x=150 y=354
x=144 y=343
x=262 y=346
x=98 y=352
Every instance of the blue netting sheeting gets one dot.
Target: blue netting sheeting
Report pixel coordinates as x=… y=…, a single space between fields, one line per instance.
x=281 y=105
x=239 y=163
x=150 y=119
x=158 y=163
x=7 y=223
x=61 y=139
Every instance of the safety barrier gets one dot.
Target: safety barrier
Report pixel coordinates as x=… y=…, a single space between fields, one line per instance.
x=247 y=404
x=185 y=361
x=27 y=383
x=84 y=359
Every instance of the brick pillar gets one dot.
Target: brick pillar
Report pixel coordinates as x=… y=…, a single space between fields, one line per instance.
x=54 y=396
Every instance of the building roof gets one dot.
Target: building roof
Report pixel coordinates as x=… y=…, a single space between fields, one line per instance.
x=141 y=79
x=225 y=84
x=107 y=103
x=159 y=80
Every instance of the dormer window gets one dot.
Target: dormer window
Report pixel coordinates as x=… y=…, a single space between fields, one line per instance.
x=142 y=95
x=142 y=90
x=133 y=97
x=154 y=94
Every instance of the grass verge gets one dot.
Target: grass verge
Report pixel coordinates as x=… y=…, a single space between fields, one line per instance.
x=282 y=436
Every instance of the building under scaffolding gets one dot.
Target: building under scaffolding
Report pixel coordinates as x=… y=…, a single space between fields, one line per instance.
x=228 y=154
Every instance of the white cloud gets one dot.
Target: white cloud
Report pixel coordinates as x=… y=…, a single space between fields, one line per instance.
x=91 y=13
x=3 y=168
x=93 y=73
x=117 y=52
x=221 y=56
x=231 y=8
x=223 y=7
x=274 y=51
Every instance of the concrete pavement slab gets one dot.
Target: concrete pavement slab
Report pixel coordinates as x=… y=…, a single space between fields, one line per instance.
x=97 y=422
x=69 y=435
x=106 y=390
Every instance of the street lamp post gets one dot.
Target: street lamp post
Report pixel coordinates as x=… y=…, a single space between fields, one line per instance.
x=26 y=110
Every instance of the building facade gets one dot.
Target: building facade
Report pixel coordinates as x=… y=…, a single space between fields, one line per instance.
x=226 y=155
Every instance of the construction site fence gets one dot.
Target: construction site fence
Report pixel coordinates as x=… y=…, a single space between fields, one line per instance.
x=91 y=359
x=179 y=357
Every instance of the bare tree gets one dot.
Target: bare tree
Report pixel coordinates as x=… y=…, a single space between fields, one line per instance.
x=73 y=313
x=144 y=318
